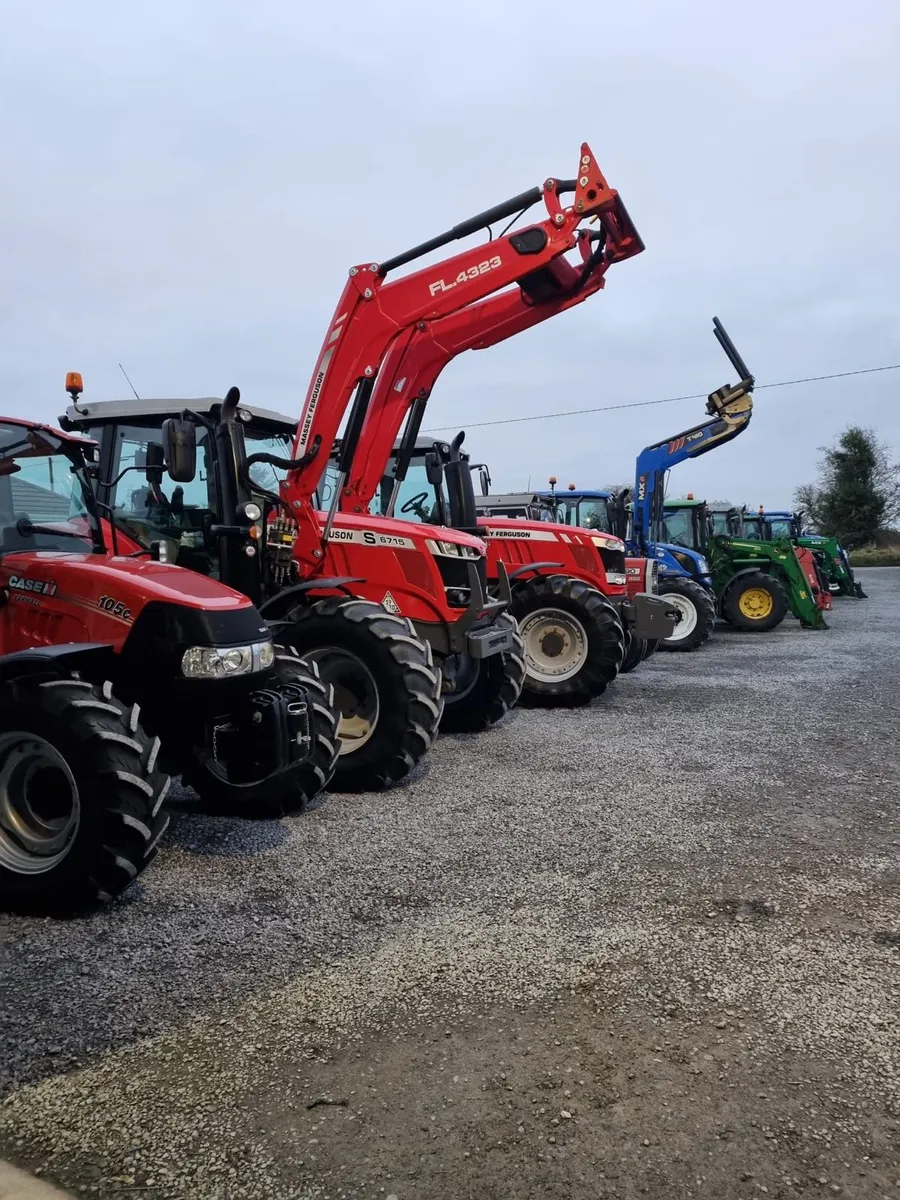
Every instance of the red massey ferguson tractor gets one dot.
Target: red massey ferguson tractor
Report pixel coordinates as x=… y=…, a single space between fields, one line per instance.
x=569 y=594
x=451 y=645
x=116 y=671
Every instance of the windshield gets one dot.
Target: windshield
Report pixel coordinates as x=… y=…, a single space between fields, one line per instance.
x=279 y=444
x=594 y=514
x=782 y=528
x=39 y=483
x=415 y=498
x=753 y=529
x=678 y=528
x=720 y=524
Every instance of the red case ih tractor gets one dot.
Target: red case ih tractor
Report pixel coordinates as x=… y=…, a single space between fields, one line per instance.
x=117 y=671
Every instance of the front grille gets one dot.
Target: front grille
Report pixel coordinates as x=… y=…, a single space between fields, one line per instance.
x=455 y=576
x=613 y=560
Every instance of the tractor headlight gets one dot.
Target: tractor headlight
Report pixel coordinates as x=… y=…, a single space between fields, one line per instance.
x=452 y=549
x=616 y=578
x=702 y=566
x=220 y=662
x=250 y=511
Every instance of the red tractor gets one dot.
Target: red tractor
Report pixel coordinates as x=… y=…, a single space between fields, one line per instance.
x=580 y=625
x=117 y=671
x=440 y=640
x=569 y=587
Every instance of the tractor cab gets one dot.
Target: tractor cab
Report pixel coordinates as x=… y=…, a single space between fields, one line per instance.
x=781 y=524
x=684 y=524
x=724 y=520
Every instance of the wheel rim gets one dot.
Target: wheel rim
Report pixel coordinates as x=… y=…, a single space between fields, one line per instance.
x=687 y=613
x=355 y=695
x=756 y=604
x=40 y=809
x=556 y=644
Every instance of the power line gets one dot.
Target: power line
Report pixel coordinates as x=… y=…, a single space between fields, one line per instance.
x=581 y=412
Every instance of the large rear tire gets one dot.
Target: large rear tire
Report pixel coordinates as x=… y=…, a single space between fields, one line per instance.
x=697 y=611
x=574 y=641
x=484 y=690
x=80 y=794
x=386 y=687
x=755 y=603
x=291 y=790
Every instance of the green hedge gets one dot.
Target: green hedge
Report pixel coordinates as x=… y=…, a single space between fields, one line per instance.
x=889 y=557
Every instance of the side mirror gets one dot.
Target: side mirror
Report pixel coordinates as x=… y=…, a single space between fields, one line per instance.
x=484 y=480
x=434 y=469
x=180 y=445
x=154 y=464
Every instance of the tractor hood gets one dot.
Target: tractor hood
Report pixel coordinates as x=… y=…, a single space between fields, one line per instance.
x=132 y=581
x=393 y=532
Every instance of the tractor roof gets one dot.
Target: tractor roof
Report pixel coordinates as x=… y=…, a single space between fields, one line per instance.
x=674 y=503
x=577 y=494
x=507 y=500
x=137 y=410
x=777 y=512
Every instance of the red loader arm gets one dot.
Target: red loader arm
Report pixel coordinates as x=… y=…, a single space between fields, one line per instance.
x=373 y=314
x=414 y=363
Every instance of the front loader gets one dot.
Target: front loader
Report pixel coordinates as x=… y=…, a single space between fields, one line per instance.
x=830 y=554
x=685 y=579
x=568 y=590
x=118 y=671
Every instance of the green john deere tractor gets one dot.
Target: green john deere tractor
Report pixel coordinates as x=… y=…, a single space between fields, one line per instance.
x=755 y=582
x=830 y=554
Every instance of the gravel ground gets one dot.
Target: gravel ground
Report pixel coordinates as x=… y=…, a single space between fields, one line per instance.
x=650 y=948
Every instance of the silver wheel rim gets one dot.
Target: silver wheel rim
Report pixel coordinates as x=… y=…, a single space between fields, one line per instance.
x=556 y=644
x=40 y=809
x=688 y=613
x=355 y=695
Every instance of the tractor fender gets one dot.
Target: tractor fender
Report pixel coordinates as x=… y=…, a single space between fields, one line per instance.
x=738 y=575
x=277 y=605
x=538 y=566
x=68 y=655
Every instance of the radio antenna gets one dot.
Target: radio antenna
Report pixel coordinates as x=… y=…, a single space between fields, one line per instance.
x=130 y=384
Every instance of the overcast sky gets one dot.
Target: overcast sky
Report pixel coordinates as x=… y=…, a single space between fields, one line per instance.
x=185 y=185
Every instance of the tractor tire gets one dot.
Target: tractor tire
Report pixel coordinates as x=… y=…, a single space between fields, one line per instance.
x=485 y=689
x=80 y=795
x=755 y=603
x=288 y=791
x=559 y=616
x=386 y=687
x=635 y=653
x=698 y=613
x=651 y=646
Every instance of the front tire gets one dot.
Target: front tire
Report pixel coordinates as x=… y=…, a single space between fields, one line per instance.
x=80 y=794
x=635 y=653
x=290 y=790
x=386 y=686
x=485 y=689
x=697 y=612
x=755 y=603
x=574 y=641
